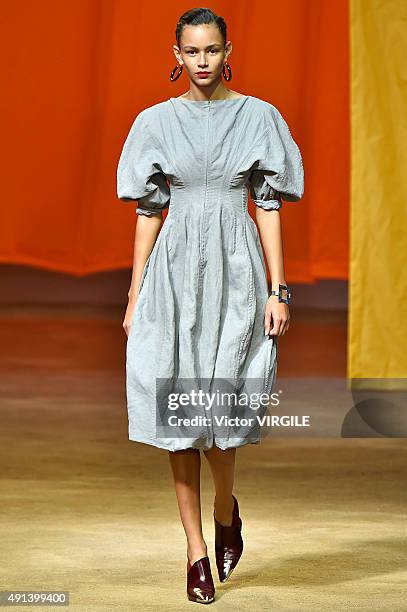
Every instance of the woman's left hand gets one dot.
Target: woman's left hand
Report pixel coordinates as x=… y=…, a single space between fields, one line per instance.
x=276 y=317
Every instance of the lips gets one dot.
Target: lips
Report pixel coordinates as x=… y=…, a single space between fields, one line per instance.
x=202 y=73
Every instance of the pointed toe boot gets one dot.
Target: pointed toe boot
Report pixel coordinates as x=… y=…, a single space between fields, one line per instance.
x=228 y=544
x=200 y=586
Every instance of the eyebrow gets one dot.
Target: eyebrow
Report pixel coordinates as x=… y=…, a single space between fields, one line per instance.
x=192 y=46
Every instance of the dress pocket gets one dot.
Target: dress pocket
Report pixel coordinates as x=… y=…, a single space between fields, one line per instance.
x=143 y=275
x=270 y=370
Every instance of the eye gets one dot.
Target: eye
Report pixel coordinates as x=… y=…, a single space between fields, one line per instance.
x=212 y=51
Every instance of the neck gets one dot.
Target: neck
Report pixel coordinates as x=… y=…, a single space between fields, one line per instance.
x=217 y=92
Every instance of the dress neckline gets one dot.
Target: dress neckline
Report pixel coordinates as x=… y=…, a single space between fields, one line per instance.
x=210 y=101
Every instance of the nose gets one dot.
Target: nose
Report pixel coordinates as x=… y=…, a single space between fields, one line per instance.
x=203 y=63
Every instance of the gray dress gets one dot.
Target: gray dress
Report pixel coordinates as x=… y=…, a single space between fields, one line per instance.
x=199 y=318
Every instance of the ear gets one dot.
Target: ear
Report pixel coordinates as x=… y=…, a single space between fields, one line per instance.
x=177 y=53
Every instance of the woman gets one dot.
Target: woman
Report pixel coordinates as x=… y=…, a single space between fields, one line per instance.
x=203 y=310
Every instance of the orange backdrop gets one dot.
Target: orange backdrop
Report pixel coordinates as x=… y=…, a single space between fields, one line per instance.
x=74 y=76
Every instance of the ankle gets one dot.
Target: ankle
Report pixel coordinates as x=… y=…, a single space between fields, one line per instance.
x=196 y=551
x=223 y=509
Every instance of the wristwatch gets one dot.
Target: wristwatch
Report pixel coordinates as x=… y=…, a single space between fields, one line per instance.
x=280 y=295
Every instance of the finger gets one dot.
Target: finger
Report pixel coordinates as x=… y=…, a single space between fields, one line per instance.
x=284 y=327
x=281 y=327
x=276 y=327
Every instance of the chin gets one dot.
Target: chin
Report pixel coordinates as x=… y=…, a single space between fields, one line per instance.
x=205 y=82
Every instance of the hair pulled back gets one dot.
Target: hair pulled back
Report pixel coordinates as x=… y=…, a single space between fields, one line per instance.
x=200 y=16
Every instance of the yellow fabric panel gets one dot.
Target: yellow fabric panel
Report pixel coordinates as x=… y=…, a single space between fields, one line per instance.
x=377 y=340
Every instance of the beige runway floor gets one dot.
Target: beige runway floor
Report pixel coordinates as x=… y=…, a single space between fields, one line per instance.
x=85 y=510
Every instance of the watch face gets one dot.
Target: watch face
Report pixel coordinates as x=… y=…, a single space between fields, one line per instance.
x=283 y=298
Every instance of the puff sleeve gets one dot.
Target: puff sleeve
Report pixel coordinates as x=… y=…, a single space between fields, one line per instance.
x=277 y=172
x=139 y=172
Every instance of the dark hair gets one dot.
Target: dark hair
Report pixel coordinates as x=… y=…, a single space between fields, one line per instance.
x=199 y=16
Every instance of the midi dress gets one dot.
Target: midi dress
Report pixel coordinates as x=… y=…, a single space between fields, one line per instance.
x=198 y=323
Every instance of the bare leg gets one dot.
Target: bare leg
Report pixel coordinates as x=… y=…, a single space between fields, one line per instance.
x=186 y=469
x=222 y=464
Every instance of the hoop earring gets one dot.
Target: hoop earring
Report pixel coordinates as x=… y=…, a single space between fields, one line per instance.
x=173 y=72
x=229 y=69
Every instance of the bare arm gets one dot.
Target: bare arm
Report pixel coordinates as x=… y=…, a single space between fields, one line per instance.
x=147 y=230
x=277 y=314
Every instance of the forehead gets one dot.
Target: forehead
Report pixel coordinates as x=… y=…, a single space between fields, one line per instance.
x=201 y=35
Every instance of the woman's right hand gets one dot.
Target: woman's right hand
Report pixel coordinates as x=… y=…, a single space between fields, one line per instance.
x=129 y=314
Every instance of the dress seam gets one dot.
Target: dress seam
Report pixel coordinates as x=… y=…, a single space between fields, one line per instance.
x=249 y=309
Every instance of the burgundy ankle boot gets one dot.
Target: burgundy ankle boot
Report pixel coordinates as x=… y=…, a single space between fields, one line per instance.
x=200 y=586
x=228 y=544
